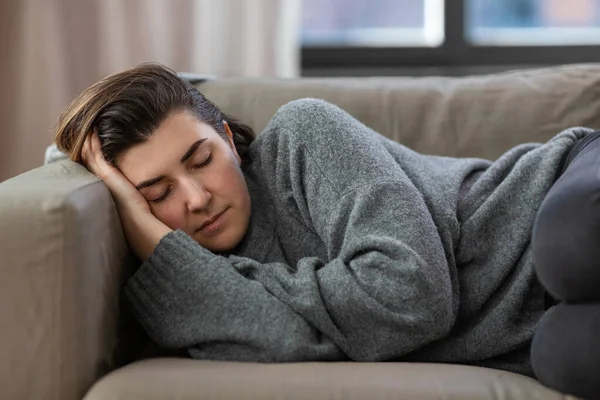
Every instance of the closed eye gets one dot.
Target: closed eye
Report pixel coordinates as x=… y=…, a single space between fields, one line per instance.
x=163 y=197
x=168 y=191
x=205 y=162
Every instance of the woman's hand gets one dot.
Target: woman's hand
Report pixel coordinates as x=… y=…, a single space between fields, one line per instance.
x=126 y=196
x=142 y=229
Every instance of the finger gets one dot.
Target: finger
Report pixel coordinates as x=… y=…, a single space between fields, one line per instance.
x=100 y=162
x=95 y=143
x=96 y=150
x=90 y=158
x=85 y=150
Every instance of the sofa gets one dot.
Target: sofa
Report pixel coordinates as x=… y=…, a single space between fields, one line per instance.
x=64 y=259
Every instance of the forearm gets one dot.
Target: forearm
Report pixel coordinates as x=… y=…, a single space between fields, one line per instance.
x=143 y=231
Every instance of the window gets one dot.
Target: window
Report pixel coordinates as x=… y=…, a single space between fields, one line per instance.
x=397 y=33
x=534 y=22
x=373 y=22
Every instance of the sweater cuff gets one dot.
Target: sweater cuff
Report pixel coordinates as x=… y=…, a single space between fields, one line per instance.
x=177 y=248
x=173 y=256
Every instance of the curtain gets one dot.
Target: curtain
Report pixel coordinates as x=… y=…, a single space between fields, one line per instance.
x=53 y=49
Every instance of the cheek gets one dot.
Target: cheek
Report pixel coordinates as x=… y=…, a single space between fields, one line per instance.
x=229 y=183
x=169 y=216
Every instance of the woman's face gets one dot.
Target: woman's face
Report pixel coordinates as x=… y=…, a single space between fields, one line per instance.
x=192 y=180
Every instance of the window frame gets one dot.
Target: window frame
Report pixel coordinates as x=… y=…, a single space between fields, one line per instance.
x=456 y=51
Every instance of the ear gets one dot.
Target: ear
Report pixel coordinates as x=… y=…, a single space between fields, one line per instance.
x=231 y=143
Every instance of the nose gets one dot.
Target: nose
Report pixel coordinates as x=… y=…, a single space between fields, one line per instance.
x=196 y=195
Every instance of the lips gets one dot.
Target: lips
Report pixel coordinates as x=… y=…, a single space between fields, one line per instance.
x=210 y=221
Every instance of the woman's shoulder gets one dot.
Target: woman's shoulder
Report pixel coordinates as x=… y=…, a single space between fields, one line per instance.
x=305 y=112
x=318 y=125
x=313 y=140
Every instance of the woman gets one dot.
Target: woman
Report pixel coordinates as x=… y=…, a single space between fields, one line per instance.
x=323 y=240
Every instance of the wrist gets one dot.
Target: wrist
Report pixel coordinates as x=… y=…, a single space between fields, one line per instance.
x=143 y=232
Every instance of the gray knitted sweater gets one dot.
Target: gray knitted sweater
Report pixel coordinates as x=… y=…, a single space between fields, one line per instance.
x=360 y=249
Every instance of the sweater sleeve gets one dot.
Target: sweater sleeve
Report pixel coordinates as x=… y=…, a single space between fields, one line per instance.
x=384 y=291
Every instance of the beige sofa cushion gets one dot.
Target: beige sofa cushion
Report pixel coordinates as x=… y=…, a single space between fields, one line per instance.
x=181 y=379
x=479 y=116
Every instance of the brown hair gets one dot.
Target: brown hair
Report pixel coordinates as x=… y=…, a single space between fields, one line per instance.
x=125 y=108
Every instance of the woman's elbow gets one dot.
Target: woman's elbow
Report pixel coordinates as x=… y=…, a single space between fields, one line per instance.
x=406 y=334
x=435 y=309
x=442 y=319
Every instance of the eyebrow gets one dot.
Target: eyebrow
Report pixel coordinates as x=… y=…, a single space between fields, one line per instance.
x=192 y=149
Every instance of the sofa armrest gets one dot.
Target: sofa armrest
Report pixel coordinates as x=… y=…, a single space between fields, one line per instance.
x=62 y=253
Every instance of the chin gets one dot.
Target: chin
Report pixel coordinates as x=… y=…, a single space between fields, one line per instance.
x=222 y=243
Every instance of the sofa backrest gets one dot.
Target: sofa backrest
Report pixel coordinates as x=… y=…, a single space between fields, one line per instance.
x=479 y=116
